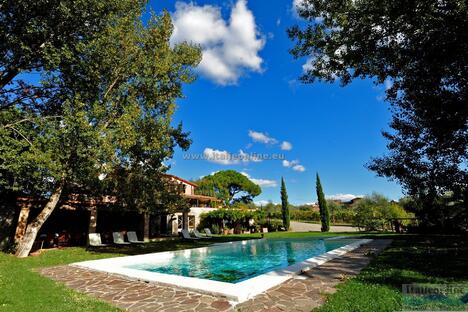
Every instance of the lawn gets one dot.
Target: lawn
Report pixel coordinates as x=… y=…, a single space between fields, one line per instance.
x=409 y=259
x=23 y=290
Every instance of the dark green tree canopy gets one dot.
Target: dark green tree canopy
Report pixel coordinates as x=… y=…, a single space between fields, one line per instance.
x=230 y=186
x=420 y=48
x=107 y=126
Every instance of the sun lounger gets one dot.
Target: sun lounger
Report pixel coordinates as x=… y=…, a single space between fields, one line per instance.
x=208 y=232
x=186 y=235
x=95 y=240
x=133 y=238
x=119 y=239
x=199 y=235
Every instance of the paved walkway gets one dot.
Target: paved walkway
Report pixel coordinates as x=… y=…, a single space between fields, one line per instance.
x=298 y=294
x=312 y=227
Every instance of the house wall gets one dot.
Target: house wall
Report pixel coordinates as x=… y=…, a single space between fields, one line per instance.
x=194 y=212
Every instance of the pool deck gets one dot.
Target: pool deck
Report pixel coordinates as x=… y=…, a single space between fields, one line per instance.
x=302 y=293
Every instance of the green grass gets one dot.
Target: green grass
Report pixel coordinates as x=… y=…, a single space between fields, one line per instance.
x=23 y=290
x=410 y=259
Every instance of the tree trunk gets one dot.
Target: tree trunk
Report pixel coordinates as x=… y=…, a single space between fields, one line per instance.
x=26 y=243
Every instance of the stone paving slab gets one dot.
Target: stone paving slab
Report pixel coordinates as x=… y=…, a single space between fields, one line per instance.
x=302 y=293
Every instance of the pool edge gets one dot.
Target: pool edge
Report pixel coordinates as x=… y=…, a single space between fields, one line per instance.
x=237 y=293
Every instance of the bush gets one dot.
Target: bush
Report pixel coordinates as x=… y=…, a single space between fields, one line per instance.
x=375 y=212
x=240 y=220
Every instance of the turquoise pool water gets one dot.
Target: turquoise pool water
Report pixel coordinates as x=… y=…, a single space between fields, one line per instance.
x=239 y=261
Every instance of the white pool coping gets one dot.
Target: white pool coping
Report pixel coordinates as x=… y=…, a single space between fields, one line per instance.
x=238 y=292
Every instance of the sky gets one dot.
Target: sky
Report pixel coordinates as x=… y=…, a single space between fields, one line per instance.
x=248 y=111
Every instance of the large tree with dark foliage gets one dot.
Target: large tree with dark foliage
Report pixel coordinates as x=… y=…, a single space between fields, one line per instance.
x=230 y=186
x=419 y=49
x=106 y=123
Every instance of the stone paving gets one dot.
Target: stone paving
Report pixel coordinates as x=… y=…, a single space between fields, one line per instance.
x=302 y=293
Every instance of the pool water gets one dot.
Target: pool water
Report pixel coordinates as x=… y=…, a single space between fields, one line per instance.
x=239 y=261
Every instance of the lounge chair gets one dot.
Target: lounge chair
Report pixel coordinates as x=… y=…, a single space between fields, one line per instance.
x=119 y=239
x=95 y=240
x=208 y=232
x=186 y=235
x=133 y=238
x=199 y=235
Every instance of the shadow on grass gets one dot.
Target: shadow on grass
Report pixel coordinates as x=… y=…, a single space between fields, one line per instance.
x=168 y=245
x=420 y=259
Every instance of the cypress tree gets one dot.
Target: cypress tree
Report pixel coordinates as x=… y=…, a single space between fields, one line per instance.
x=324 y=214
x=284 y=205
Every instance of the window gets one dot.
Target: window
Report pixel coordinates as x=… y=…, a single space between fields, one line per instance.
x=191 y=222
x=179 y=222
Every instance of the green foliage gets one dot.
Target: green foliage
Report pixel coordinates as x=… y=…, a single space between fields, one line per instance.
x=230 y=186
x=110 y=112
x=284 y=205
x=240 y=219
x=324 y=213
x=374 y=213
x=419 y=49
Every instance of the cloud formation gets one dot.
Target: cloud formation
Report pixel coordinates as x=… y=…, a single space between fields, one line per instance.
x=227 y=158
x=286 y=146
x=219 y=157
x=230 y=48
x=261 y=137
x=343 y=197
x=261 y=182
x=294 y=165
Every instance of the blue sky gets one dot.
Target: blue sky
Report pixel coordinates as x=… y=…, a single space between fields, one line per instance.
x=248 y=99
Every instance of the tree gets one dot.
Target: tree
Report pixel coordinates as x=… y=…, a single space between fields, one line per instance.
x=110 y=117
x=376 y=212
x=418 y=49
x=324 y=214
x=41 y=35
x=284 y=205
x=229 y=186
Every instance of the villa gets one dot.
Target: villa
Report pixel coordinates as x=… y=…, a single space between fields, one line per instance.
x=78 y=215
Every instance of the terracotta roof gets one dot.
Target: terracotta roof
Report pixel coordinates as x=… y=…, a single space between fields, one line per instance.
x=180 y=179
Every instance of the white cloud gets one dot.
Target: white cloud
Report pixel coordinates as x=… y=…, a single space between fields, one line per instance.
x=245 y=157
x=227 y=158
x=263 y=202
x=343 y=197
x=292 y=163
x=262 y=137
x=219 y=157
x=286 y=146
x=230 y=48
x=261 y=182
x=299 y=168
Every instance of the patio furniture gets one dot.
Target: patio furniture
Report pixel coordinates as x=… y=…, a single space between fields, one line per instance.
x=133 y=238
x=199 y=235
x=186 y=235
x=208 y=232
x=119 y=239
x=95 y=240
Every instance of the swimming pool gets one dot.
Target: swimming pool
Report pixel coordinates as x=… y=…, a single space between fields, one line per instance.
x=234 y=263
x=236 y=270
